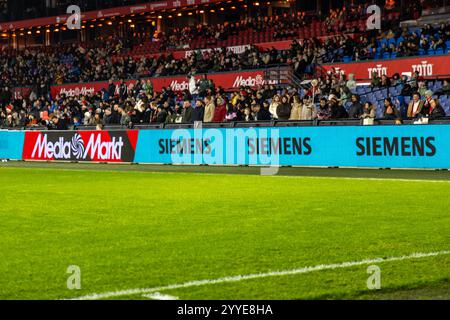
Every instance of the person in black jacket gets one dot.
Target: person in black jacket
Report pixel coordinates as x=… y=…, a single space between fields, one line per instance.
x=284 y=109
x=162 y=115
x=356 y=109
x=57 y=124
x=111 y=89
x=198 y=113
x=259 y=113
x=187 y=112
x=337 y=111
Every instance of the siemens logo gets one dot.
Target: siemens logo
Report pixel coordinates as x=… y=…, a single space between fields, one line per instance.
x=397 y=146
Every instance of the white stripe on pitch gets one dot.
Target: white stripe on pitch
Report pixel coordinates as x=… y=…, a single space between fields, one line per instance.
x=197 y=283
x=159 y=296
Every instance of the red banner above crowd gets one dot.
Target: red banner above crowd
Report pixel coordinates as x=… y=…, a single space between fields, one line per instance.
x=430 y=66
x=228 y=81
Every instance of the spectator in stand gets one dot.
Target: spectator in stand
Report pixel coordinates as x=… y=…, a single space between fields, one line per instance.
x=284 y=109
x=433 y=110
x=445 y=90
x=274 y=106
x=324 y=112
x=309 y=111
x=260 y=113
x=187 y=112
x=296 y=109
x=369 y=111
x=337 y=110
x=356 y=109
x=415 y=106
x=390 y=110
x=351 y=83
x=221 y=110
x=209 y=109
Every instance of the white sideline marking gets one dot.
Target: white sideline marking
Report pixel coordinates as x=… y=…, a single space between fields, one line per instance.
x=243 y=174
x=159 y=296
x=142 y=291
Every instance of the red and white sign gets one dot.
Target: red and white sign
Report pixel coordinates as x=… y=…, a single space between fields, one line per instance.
x=430 y=66
x=97 y=146
x=228 y=81
x=234 y=49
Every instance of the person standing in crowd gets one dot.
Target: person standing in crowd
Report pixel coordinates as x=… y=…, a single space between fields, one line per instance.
x=284 y=109
x=187 y=112
x=309 y=111
x=415 y=106
x=198 y=113
x=324 y=112
x=123 y=90
x=193 y=87
x=337 y=110
x=209 y=109
x=111 y=89
x=297 y=109
x=220 y=111
x=260 y=113
x=274 y=106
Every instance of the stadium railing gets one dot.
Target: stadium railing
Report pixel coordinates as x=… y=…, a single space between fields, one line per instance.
x=238 y=124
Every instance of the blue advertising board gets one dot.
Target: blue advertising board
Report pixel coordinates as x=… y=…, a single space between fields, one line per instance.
x=11 y=144
x=403 y=146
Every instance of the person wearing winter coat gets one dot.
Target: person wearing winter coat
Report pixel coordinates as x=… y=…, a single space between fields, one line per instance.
x=209 y=109
x=297 y=108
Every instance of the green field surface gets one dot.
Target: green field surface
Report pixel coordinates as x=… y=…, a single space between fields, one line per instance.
x=144 y=227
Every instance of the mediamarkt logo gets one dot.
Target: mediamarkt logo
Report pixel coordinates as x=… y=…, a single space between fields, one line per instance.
x=77 y=91
x=249 y=82
x=179 y=86
x=62 y=149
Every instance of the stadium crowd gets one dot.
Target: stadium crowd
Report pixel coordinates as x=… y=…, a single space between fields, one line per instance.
x=331 y=97
x=44 y=67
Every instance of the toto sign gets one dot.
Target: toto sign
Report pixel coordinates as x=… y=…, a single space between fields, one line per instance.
x=433 y=66
x=96 y=146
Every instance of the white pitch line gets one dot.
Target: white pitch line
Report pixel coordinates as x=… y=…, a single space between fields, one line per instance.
x=159 y=296
x=142 y=291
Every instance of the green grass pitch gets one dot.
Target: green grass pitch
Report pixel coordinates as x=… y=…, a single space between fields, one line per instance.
x=128 y=228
